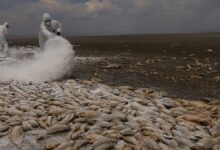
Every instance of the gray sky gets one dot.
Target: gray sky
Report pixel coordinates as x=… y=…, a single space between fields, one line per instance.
x=101 y=17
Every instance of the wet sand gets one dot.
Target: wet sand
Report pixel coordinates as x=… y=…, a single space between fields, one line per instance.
x=183 y=66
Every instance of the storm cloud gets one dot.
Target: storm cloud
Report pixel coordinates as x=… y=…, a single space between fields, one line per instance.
x=104 y=17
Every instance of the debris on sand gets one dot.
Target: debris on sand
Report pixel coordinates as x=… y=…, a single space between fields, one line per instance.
x=210 y=50
x=112 y=66
x=217 y=78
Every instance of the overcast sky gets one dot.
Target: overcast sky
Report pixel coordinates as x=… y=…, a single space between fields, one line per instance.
x=101 y=17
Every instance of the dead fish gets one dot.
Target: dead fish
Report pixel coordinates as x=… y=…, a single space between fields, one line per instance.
x=57 y=129
x=80 y=144
x=26 y=125
x=115 y=136
x=51 y=146
x=86 y=114
x=103 y=141
x=41 y=136
x=66 y=146
x=17 y=135
x=14 y=111
x=42 y=124
x=15 y=120
x=3 y=128
x=49 y=121
x=25 y=108
x=3 y=103
x=4 y=118
x=39 y=112
x=54 y=111
x=120 y=145
x=93 y=137
x=106 y=146
x=127 y=132
x=131 y=140
x=3 y=133
x=105 y=124
x=67 y=119
x=33 y=123
x=74 y=135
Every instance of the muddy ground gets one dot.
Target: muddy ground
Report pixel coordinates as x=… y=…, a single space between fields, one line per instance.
x=183 y=66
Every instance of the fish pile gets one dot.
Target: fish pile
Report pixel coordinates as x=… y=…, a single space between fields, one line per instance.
x=87 y=115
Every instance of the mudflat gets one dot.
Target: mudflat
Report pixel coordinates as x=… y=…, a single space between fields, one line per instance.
x=181 y=65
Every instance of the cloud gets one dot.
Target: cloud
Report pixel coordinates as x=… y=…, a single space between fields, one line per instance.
x=114 y=16
x=95 y=6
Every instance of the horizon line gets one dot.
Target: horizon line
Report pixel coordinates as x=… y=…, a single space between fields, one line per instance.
x=101 y=35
